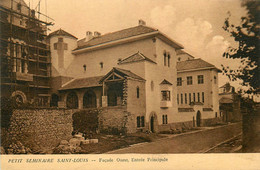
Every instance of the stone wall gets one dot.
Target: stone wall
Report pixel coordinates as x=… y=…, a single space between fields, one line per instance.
x=113 y=117
x=41 y=128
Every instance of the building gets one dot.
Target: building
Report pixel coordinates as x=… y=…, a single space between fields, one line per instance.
x=229 y=102
x=132 y=75
x=197 y=89
x=25 y=55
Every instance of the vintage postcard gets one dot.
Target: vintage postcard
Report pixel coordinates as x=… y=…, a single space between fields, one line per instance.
x=128 y=84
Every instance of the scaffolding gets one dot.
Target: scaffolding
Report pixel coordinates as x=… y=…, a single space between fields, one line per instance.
x=25 y=54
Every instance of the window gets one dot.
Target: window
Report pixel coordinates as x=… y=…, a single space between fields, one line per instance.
x=189 y=80
x=101 y=64
x=215 y=79
x=137 y=92
x=181 y=99
x=60 y=39
x=200 y=79
x=84 y=67
x=189 y=98
x=194 y=97
x=177 y=98
x=202 y=96
x=119 y=60
x=216 y=114
x=169 y=57
x=179 y=81
x=55 y=46
x=166 y=96
x=140 y=121
x=164 y=119
x=152 y=85
x=185 y=98
x=19 y=7
x=165 y=56
x=198 y=97
x=65 y=46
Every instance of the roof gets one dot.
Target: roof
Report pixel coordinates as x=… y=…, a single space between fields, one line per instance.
x=122 y=34
x=136 y=58
x=122 y=72
x=194 y=64
x=179 y=52
x=80 y=83
x=61 y=32
x=165 y=82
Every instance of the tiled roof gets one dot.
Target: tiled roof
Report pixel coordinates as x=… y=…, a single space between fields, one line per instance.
x=166 y=82
x=178 y=52
x=61 y=32
x=193 y=64
x=122 y=72
x=136 y=58
x=82 y=83
x=186 y=110
x=125 y=33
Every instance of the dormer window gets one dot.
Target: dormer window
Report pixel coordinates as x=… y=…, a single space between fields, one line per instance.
x=84 y=67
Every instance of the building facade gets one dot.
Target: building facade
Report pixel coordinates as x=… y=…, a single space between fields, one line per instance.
x=25 y=54
x=197 y=89
x=133 y=72
x=229 y=101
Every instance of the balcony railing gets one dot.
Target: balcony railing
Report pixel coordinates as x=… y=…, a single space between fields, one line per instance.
x=166 y=103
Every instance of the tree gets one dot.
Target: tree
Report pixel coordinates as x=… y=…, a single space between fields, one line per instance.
x=247 y=36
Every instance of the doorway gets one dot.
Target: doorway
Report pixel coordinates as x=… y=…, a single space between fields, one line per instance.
x=198 y=118
x=152 y=123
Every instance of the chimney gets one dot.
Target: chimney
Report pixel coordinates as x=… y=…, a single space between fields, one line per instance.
x=97 y=34
x=89 y=35
x=141 y=22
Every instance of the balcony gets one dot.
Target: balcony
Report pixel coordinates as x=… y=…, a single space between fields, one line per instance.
x=23 y=76
x=166 y=103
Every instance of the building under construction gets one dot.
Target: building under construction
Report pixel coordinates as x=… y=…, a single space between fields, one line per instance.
x=25 y=55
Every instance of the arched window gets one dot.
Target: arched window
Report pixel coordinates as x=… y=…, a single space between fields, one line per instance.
x=165 y=58
x=89 y=99
x=137 y=92
x=72 y=101
x=84 y=67
x=168 y=60
x=152 y=85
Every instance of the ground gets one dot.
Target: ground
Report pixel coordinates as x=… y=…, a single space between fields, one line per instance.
x=192 y=142
x=232 y=146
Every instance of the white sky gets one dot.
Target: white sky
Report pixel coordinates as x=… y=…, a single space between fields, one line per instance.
x=196 y=24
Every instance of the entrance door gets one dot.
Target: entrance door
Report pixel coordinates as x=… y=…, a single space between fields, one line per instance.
x=152 y=123
x=198 y=118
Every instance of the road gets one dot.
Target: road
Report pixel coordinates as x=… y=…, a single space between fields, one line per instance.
x=197 y=142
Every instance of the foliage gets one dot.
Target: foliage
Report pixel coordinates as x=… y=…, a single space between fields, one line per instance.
x=85 y=121
x=247 y=36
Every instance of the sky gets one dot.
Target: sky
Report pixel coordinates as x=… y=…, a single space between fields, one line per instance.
x=196 y=24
